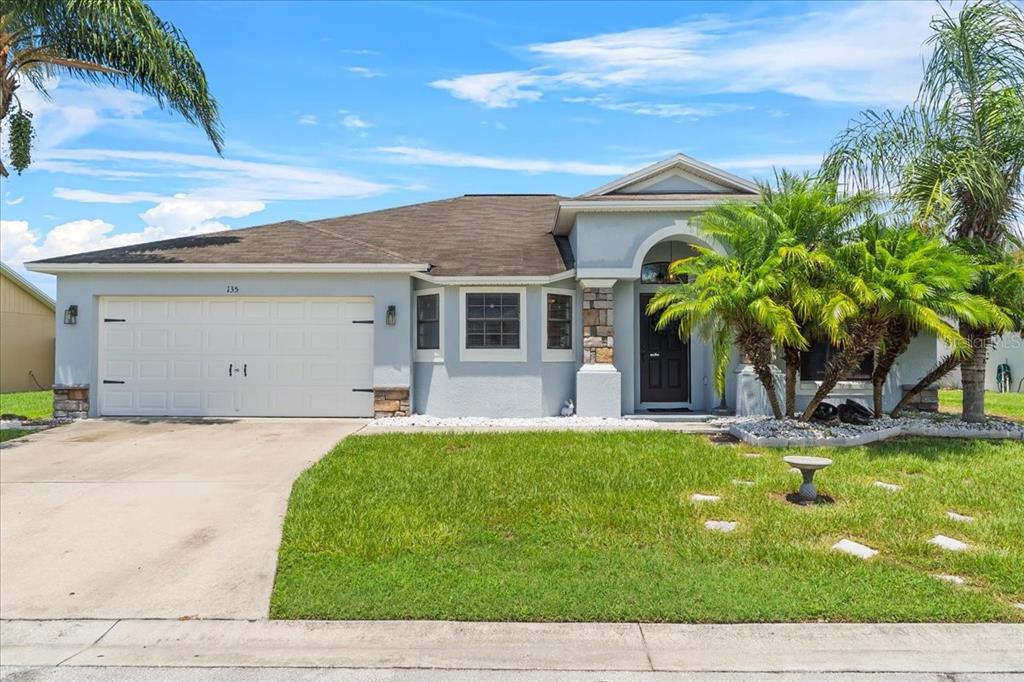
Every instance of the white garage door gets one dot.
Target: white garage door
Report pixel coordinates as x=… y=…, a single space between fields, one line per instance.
x=258 y=357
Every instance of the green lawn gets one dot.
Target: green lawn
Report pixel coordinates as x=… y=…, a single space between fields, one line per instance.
x=11 y=434
x=31 y=404
x=600 y=527
x=1009 y=405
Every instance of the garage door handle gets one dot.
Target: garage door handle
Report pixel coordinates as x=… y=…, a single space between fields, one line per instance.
x=245 y=370
x=112 y=381
x=362 y=390
x=362 y=321
x=113 y=319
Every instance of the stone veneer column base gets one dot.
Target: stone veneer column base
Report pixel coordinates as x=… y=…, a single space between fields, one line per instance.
x=926 y=401
x=598 y=391
x=70 y=401
x=390 y=401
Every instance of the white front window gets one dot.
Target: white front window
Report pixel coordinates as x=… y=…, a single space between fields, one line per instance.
x=558 y=325
x=492 y=324
x=429 y=331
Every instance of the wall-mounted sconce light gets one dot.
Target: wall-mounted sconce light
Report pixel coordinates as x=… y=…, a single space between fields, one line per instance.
x=71 y=315
x=391 y=316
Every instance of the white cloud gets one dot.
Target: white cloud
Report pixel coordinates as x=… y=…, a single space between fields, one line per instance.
x=364 y=72
x=176 y=216
x=185 y=212
x=354 y=122
x=243 y=180
x=88 y=196
x=493 y=90
x=868 y=53
x=308 y=120
x=13 y=201
x=761 y=163
x=657 y=109
x=430 y=157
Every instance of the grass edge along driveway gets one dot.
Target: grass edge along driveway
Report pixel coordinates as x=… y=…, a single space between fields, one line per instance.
x=601 y=527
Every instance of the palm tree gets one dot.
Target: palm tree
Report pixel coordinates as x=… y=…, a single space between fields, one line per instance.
x=809 y=220
x=732 y=299
x=119 y=41
x=956 y=156
x=1000 y=282
x=895 y=276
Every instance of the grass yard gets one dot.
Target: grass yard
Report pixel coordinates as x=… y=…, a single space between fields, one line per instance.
x=600 y=527
x=11 y=434
x=1008 y=405
x=31 y=404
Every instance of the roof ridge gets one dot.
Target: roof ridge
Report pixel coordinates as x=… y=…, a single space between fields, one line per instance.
x=353 y=240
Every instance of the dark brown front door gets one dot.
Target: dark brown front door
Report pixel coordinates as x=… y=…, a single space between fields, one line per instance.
x=664 y=361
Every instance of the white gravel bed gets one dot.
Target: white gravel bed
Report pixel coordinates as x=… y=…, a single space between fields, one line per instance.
x=769 y=432
x=427 y=423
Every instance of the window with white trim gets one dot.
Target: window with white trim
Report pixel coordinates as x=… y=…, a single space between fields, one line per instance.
x=493 y=327
x=429 y=325
x=558 y=315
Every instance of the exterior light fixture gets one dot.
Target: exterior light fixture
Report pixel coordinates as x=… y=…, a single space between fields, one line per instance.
x=391 y=316
x=71 y=315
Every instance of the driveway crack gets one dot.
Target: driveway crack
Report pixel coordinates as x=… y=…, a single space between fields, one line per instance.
x=94 y=643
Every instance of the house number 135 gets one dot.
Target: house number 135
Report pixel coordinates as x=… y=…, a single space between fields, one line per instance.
x=232 y=289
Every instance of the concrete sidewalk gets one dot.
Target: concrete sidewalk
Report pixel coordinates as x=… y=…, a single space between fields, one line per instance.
x=460 y=646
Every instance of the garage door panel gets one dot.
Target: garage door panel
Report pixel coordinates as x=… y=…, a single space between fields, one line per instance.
x=236 y=357
x=187 y=339
x=186 y=369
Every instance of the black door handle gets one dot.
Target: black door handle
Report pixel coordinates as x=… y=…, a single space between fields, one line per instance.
x=231 y=371
x=245 y=370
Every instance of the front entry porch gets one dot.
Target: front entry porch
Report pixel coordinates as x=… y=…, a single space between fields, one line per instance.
x=654 y=374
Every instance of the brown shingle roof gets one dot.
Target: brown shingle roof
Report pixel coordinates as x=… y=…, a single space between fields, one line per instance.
x=500 y=235
x=713 y=196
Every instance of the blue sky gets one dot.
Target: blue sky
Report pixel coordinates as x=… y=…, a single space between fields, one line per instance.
x=337 y=108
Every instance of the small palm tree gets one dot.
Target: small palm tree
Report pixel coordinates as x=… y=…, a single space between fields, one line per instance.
x=810 y=220
x=1000 y=282
x=732 y=300
x=119 y=41
x=956 y=156
x=895 y=276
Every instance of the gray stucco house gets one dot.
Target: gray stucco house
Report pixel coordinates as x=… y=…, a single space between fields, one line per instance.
x=480 y=305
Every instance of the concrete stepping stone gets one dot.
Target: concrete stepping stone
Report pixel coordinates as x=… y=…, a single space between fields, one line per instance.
x=740 y=481
x=854 y=549
x=720 y=526
x=959 y=517
x=888 y=486
x=1018 y=605
x=701 y=497
x=955 y=579
x=794 y=470
x=945 y=542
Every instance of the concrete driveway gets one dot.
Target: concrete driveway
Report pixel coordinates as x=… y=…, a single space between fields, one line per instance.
x=150 y=519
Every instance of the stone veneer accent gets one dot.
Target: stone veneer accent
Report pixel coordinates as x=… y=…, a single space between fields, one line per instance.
x=926 y=401
x=71 y=401
x=598 y=326
x=390 y=401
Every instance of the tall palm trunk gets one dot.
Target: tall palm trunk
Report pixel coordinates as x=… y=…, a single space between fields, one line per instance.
x=863 y=338
x=758 y=349
x=945 y=366
x=972 y=372
x=792 y=372
x=897 y=338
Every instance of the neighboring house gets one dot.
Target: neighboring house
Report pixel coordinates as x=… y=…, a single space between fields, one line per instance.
x=493 y=305
x=26 y=334
x=1006 y=349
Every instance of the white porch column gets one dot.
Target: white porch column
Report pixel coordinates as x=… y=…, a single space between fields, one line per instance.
x=598 y=383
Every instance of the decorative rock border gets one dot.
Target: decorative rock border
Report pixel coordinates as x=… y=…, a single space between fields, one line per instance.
x=916 y=427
